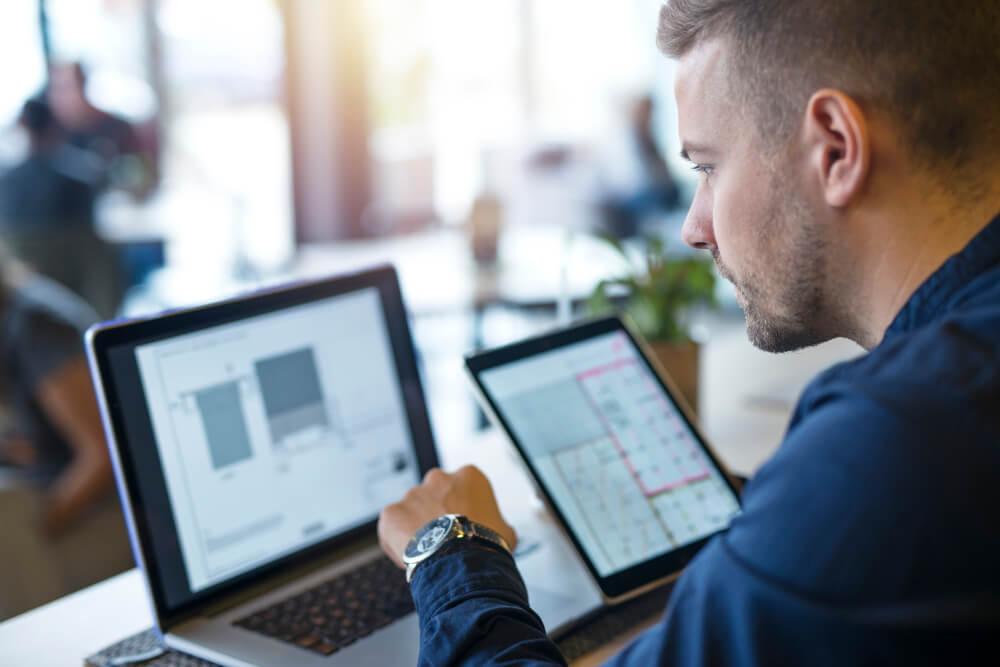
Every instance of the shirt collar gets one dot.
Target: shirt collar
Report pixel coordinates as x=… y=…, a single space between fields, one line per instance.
x=934 y=296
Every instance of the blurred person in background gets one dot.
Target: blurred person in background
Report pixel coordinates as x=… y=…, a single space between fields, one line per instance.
x=126 y=159
x=47 y=211
x=642 y=184
x=63 y=528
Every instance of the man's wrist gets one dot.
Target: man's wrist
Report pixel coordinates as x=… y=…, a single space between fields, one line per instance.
x=444 y=531
x=460 y=570
x=453 y=546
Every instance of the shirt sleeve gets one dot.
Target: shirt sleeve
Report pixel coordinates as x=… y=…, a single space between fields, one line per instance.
x=473 y=609
x=838 y=556
x=841 y=556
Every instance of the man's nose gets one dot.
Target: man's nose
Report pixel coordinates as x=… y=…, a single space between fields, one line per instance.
x=697 y=231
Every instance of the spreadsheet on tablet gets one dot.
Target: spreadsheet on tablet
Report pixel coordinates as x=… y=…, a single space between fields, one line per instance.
x=616 y=454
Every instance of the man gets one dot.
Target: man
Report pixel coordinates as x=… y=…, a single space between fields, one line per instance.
x=850 y=186
x=63 y=524
x=640 y=183
x=127 y=163
x=47 y=212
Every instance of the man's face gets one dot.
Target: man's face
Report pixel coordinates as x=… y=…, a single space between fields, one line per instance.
x=749 y=210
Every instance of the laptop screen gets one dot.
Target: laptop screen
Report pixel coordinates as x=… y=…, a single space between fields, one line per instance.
x=277 y=431
x=249 y=431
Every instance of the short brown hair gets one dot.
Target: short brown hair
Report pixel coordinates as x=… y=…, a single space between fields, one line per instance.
x=933 y=66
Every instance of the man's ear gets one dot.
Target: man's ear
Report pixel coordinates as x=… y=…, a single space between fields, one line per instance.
x=837 y=140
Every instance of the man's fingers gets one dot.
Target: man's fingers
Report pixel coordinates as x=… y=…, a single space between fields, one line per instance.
x=467 y=491
x=472 y=474
x=435 y=476
x=389 y=536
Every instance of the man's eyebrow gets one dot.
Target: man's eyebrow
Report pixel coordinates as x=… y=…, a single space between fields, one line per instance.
x=689 y=148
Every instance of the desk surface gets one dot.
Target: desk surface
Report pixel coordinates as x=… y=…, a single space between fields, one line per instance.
x=67 y=630
x=743 y=416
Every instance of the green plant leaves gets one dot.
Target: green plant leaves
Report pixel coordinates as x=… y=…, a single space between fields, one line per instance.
x=659 y=291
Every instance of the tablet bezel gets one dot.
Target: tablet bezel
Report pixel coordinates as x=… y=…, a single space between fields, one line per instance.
x=632 y=581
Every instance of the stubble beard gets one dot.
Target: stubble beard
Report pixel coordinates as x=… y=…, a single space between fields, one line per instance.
x=783 y=301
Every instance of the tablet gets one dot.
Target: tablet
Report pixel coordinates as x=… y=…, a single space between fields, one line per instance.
x=612 y=449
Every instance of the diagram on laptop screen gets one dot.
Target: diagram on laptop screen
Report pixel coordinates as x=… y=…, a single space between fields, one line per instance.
x=226 y=433
x=620 y=460
x=277 y=431
x=286 y=388
x=293 y=398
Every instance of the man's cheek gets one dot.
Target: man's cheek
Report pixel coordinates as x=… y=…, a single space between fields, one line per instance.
x=727 y=248
x=734 y=231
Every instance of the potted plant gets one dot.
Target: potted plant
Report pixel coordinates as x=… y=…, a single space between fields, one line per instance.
x=657 y=292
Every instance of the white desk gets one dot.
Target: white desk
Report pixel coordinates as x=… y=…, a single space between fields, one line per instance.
x=67 y=630
x=743 y=415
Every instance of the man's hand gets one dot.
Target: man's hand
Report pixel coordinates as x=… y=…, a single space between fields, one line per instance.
x=466 y=491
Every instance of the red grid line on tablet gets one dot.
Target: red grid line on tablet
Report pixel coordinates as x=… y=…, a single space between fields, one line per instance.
x=615 y=365
x=612 y=367
x=693 y=453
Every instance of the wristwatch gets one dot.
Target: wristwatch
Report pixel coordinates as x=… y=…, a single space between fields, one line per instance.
x=442 y=530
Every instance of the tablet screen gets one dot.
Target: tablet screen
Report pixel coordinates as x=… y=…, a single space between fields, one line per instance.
x=614 y=453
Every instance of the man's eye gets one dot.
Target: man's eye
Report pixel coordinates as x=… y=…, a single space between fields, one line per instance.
x=705 y=169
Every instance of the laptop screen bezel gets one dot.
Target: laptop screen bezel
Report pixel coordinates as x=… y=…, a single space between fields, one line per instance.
x=115 y=339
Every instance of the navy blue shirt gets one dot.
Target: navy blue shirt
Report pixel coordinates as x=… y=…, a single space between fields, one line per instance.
x=872 y=536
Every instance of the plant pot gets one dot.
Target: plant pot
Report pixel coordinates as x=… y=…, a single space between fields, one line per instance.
x=680 y=361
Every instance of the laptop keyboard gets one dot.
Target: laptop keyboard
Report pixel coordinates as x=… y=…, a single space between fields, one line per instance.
x=337 y=612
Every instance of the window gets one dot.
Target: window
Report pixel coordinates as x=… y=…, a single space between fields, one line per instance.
x=461 y=88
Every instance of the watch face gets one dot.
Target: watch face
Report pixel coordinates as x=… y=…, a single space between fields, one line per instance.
x=429 y=537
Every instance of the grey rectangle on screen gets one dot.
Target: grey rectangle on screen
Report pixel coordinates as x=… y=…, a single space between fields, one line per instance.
x=225 y=424
x=293 y=397
x=551 y=418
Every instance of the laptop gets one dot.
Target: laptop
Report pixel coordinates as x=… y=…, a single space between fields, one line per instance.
x=254 y=442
